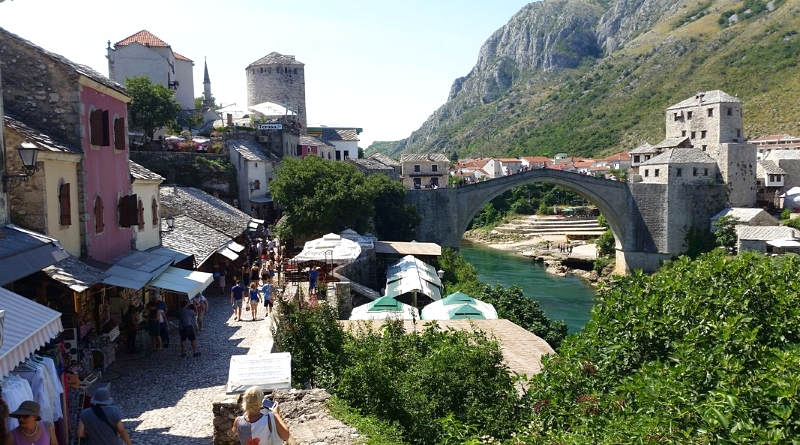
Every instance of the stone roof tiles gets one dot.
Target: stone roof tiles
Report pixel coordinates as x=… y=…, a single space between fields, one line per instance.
x=643 y=149
x=771 y=167
x=775 y=155
x=204 y=208
x=82 y=70
x=140 y=172
x=312 y=142
x=385 y=160
x=765 y=233
x=275 y=58
x=192 y=237
x=741 y=214
x=681 y=156
x=370 y=164
x=430 y=157
x=42 y=140
x=143 y=37
x=705 y=98
x=74 y=274
x=339 y=134
x=680 y=142
x=248 y=150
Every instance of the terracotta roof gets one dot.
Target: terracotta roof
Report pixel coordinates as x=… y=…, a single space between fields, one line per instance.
x=584 y=164
x=274 y=58
x=562 y=166
x=537 y=159
x=508 y=160
x=623 y=156
x=140 y=172
x=705 y=98
x=76 y=67
x=143 y=37
x=42 y=140
x=182 y=57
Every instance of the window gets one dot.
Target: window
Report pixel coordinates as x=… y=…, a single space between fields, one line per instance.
x=346 y=154
x=730 y=111
x=417 y=183
x=703 y=134
x=655 y=172
x=738 y=132
x=694 y=134
x=98 y=124
x=119 y=133
x=688 y=115
x=65 y=215
x=154 y=208
x=694 y=171
x=705 y=172
x=257 y=185
x=646 y=172
x=434 y=182
x=646 y=157
x=704 y=147
x=99 y=224
x=295 y=70
x=140 y=214
x=710 y=112
x=338 y=155
x=416 y=168
x=434 y=168
x=128 y=211
x=636 y=158
x=683 y=133
x=678 y=172
x=676 y=117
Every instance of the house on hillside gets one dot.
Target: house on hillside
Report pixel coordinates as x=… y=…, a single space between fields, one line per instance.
x=424 y=170
x=766 y=144
x=509 y=166
x=680 y=166
x=531 y=162
x=387 y=161
x=343 y=139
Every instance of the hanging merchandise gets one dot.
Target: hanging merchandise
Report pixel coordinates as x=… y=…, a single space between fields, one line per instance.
x=40 y=372
x=15 y=391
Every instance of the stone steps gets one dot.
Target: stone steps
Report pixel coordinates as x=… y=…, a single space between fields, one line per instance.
x=532 y=226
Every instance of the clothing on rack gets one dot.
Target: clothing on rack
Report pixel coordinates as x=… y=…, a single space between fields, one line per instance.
x=15 y=391
x=41 y=374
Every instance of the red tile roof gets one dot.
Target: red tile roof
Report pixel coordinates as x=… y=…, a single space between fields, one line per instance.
x=508 y=160
x=624 y=156
x=584 y=164
x=537 y=159
x=561 y=166
x=181 y=57
x=143 y=37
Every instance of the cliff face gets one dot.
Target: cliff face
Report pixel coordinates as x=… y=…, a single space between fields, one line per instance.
x=586 y=76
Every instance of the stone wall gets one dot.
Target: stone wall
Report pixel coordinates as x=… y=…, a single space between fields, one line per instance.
x=737 y=163
x=304 y=411
x=284 y=85
x=187 y=169
x=38 y=89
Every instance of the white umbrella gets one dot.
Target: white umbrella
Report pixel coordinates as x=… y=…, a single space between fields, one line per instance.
x=458 y=306
x=384 y=308
x=330 y=247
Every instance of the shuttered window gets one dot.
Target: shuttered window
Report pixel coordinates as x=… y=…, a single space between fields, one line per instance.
x=119 y=133
x=154 y=207
x=140 y=214
x=127 y=207
x=99 y=224
x=65 y=214
x=98 y=124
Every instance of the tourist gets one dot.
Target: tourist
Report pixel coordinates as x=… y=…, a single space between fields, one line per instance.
x=278 y=267
x=163 y=321
x=187 y=316
x=153 y=327
x=31 y=429
x=237 y=293
x=271 y=269
x=254 y=299
x=266 y=291
x=266 y=426
x=102 y=422
x=254 y=272
x=201 y=303
x=131 y=325
x=245 y=274
x=313 y=274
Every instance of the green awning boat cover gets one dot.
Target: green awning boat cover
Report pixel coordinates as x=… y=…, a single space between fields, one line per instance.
x=385 y=304
x=458 y=298
x=466 y=311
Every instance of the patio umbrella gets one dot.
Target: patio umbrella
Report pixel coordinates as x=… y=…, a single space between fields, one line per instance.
x=457 y=306
x=330 y=248
x=383 y=308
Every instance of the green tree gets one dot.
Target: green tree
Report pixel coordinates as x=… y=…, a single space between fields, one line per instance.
x=152 y=105
x=606 y=244
x=394 y=218
x=724 y=229
x=793 y=223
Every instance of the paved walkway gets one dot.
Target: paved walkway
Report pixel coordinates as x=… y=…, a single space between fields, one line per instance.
x=166 y=399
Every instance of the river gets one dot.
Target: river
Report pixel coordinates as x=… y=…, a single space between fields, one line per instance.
x=568 y=299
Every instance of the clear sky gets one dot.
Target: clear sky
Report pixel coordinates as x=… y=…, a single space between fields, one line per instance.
x=381 y=65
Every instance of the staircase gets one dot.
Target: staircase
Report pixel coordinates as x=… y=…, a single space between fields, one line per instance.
x=531 y=226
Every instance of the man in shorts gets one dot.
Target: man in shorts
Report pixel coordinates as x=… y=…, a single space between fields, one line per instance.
x=201 y=304
x=237 y=294
x=266 y=291
x=187 y=317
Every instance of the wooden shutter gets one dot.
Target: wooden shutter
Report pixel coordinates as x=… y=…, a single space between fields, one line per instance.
x=140 y=214
x=65 y=216
x=119 y=134
x=154 y=206
x=95 y=127
x=127 y=211
x=99 y=224
x=106 y=130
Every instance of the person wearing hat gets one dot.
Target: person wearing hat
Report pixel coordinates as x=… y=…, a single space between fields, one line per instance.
x=101 y=423
x=31 y=429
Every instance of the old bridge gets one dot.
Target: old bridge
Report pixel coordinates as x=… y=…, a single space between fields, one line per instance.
x=649 y=221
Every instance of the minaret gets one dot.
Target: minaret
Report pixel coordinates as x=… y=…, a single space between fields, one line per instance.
x=208 y=101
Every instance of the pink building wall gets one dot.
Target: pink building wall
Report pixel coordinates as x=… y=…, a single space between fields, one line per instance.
x=306 y=150
x=105 y=173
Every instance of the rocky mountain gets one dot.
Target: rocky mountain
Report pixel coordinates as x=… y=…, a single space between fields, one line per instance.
x=590 y=76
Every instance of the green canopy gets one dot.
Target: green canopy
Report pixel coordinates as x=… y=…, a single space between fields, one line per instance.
x=466 y=311
x=458 y=298
x=385 y=304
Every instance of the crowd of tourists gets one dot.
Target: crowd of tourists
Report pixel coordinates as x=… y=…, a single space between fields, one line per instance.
x=260 y=280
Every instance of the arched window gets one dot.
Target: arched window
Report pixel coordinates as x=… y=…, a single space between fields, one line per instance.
x=140 y=214
x=154 y=207
x=99 y=224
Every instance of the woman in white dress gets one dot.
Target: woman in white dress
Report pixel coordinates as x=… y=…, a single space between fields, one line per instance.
x=269 y=428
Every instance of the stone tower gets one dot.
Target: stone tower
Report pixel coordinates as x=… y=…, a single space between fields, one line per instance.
x=712 y=120
x=208 y=100
x=279 y=79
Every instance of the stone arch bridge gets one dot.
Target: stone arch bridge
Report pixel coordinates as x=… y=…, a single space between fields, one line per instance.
x=649 y=221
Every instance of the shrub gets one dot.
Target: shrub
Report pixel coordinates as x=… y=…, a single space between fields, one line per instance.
x=793 y=223
x=786 y=214
x=606 y=244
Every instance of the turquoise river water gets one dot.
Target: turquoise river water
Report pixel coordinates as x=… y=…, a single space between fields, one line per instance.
x=568 y=299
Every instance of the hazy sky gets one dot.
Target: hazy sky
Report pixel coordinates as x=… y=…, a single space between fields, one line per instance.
x=381 y=65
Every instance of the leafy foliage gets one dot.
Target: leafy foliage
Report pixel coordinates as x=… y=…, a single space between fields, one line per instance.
x=786 y=214
x=606 y=244
x=793 y=223
x=394 y=218
x=152 y=105
x=725 y=231
x=377 y=431
x=702 y=351
x=526 y=199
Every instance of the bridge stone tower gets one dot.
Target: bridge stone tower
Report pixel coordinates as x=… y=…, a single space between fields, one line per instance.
x=279 y=79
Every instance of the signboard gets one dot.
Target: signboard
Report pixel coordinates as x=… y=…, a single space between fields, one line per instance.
x=270 y=126
x=267 y=371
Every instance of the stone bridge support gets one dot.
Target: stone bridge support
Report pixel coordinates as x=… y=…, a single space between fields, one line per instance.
x=649 y=221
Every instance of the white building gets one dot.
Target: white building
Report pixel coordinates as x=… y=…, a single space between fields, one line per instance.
x=144 y=54
x=255 y=169
x=345 y=140
x=144 y=184
x=509 y=166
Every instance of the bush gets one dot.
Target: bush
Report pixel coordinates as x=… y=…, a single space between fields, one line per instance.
x=793 y=223
x=786 y=214
x=606 y=244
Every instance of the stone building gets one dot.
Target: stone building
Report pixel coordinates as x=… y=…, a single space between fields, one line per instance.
x=370 y=166
x=255 y=169
x=145 y=184
x=424 y=170
x=279 y=79
x=389 y=162
x=680 y=166
x=144 y=54
x=308 y=145
x=343 y=139
x=766 y=144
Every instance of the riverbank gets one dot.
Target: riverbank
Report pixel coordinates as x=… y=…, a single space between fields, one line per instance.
x=545 y=249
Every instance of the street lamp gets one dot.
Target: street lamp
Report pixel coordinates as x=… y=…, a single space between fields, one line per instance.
x=28 y=153
x=170 y=220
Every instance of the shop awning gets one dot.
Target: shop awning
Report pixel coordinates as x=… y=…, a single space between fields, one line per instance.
x=23 y=252
x=176 y=256
x=135 y=269
x=228 y=253
x=784 y=243
x=189 y=282
x=75 y=274
x=234 y=246
x=27 y=326
x=413 y=284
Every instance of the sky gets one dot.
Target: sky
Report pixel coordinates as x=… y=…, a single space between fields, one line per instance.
x=380 y=65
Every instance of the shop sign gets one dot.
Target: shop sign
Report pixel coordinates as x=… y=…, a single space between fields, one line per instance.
x=270 y=126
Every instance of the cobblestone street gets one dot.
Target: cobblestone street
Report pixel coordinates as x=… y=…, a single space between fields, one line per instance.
x=166 y=399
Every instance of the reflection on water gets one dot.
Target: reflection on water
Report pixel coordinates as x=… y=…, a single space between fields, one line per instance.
x=568 y=299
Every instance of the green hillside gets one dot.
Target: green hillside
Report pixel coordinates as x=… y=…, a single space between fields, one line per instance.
x=616 y=102
x=385 y=147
